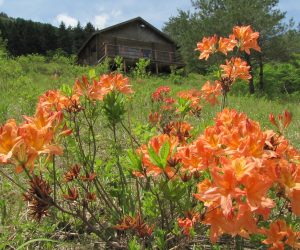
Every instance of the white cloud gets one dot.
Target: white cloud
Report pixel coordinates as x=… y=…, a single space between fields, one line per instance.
x=1 y=2
x=66 y=19
x=100 y=21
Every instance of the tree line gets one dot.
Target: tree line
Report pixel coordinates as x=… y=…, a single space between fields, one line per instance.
x=27 y=37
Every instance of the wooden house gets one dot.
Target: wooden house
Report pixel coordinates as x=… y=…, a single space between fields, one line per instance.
x=132 y=39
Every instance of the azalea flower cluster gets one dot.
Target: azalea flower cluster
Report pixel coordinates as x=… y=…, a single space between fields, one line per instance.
x=243 y=38
x=244 y=164
x=191 y=100
x=99 y=88
x=37 y=139
x=39 y=135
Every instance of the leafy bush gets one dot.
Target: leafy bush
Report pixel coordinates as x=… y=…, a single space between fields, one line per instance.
x=118 y=60
x=140 y=70
x=282 y=78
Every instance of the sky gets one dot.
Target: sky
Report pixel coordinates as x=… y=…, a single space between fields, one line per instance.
x=104 y=13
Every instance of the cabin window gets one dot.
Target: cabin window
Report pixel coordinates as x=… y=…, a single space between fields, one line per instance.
x=147 y=53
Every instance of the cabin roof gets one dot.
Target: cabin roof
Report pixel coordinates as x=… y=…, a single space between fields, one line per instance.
x=116 y=26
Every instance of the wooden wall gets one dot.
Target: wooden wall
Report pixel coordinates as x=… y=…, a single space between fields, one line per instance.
x=134 y=34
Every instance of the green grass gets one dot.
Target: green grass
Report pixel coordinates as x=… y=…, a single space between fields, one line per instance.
x=23 y=79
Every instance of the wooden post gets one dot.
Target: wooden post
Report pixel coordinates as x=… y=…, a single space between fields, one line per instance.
x=105 y=49
x=156 y=67
x=124 y=64
x=97 y=50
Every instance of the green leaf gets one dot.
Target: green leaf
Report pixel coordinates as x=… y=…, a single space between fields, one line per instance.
x=92 y=73
x=135 y=161
x=164 y=153
x=36 y=240
x=154 y=158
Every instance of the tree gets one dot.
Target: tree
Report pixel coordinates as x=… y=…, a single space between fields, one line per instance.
x=89 y=29
x=219 y=16
x=64 y=39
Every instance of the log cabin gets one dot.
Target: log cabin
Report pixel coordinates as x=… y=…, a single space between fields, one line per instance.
x=132 y=39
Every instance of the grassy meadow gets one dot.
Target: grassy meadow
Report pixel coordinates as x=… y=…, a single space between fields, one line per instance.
x=24 y=78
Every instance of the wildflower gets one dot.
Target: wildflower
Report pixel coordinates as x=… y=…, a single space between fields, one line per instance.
x=193 y=96
x=160 y=93
x=151 y=165
x=210 y=92
x=207 y=47
x=287 y=119
x=116 y=82
x=188 y=223
x=40 y=140
x=8 y=139
x=247 y=38
x=280 y=234
x=179 y=129
x=227 y=44
x=236 y=68
x=154 y=118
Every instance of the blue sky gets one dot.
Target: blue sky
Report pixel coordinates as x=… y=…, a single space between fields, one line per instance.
x=103 y=13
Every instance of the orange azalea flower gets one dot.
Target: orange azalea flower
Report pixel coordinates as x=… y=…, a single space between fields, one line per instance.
x=116 y=82
x=179 y=129
x=23 y=156
x=53 y=100
x=81 y=87
x=207 y=47
x=287 y=119
x=227 y=44
x=94 y=91
x=44 y=120
x=8 y=139
x=155 y=144
x=188 y=223
x=279 y=234
x=284 y=120
x=247 y=38
x=39 y=140
x=236 y=68
x=98 y=89
x=295 y=197
x=256 y=187
x=194 y=96
x=211 y=92
x=190 y=158
x=154 y=118
x=160 y=93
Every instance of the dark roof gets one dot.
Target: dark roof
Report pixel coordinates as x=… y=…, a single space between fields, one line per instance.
x=124 y=23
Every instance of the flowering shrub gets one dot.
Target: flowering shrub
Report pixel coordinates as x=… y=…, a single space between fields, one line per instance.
x=82 y=160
